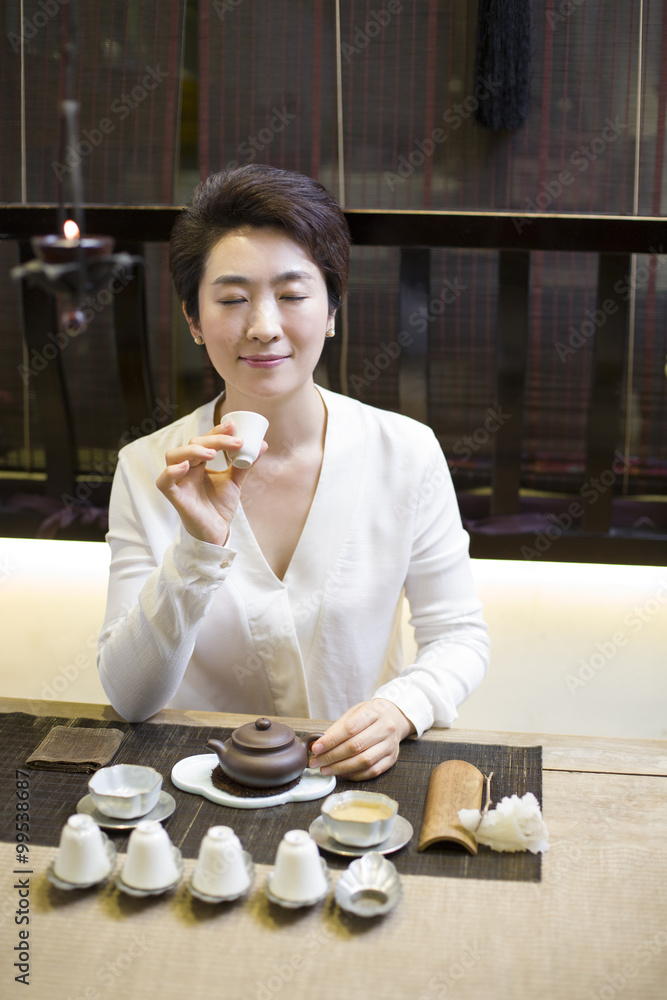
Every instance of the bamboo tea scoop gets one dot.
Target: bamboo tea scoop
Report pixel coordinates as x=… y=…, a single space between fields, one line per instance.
x=454 y=785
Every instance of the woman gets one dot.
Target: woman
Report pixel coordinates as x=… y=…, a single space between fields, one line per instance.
x=278 y=589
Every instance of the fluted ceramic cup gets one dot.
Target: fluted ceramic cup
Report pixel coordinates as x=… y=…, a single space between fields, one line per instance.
x=298 y=872
x=221 y=868
x=81 y=856
x=149 y=863
x=251 y=427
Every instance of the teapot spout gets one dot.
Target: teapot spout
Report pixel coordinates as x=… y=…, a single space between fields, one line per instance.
x=218 y=747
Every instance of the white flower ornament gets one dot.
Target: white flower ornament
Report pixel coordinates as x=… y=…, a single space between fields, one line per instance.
x=515 y=824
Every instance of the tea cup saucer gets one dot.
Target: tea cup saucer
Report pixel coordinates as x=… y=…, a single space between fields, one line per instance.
x=401 y=834
x=165 y=806
x=370 y=887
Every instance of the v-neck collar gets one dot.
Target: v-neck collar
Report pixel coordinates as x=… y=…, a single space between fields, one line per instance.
x=330 y=511
x=310 y=531
x=285 y=616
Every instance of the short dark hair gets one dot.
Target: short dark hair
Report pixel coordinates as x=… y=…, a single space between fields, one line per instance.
x=258 y=195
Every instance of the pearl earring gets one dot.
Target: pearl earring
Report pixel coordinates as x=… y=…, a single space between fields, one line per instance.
x=199 y=340
x=331 y=333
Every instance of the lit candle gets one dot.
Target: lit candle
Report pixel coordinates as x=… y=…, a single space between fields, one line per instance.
x=53 y=249
x=71 y=230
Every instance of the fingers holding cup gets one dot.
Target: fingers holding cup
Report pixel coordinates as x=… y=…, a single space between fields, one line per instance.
x=251 y=428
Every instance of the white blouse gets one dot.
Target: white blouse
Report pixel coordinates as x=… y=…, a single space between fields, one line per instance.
x=194 y=625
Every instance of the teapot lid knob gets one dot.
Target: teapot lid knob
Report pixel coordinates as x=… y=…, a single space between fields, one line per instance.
x=263 y=734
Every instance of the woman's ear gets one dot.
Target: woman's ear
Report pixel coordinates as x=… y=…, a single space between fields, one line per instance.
x=331 y=323
x=193 y=324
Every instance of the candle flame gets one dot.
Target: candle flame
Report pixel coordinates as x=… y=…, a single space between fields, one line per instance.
x=71 y=230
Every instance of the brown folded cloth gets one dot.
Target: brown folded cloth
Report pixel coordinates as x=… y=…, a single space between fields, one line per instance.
x=76 y=749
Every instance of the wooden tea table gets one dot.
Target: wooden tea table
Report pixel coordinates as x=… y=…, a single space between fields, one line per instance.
x=595 y=926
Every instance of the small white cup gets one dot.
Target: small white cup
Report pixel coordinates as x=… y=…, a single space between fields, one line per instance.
x=82 y=856
x=221 y=868
x=298 y=873
x=361 y=819
x=149 y=863
x=251 y=427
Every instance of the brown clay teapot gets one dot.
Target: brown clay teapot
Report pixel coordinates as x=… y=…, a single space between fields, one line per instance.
x=263 y=753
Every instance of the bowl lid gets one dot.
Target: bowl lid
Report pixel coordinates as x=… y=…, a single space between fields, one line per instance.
x=263 y=734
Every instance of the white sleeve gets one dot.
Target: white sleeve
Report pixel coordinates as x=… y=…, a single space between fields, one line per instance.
x=453 y=645
x=153 y=611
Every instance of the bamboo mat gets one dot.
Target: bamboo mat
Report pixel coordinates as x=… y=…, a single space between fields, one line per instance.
x=54 y=795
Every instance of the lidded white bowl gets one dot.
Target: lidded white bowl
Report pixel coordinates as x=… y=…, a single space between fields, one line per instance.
x=83 y=857
x=224 y=870
x=152 y=862
x=300 y=876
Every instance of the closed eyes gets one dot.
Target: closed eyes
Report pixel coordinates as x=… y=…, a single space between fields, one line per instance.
x=286 y=298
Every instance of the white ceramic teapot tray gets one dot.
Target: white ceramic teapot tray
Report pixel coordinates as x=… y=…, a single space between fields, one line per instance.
x=193 y=774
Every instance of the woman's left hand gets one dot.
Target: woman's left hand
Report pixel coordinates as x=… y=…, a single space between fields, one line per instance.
x=364 y=742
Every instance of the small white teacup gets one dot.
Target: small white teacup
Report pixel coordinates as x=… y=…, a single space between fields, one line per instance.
x=221 y=869
x=251 y=427
x=298 y=873
x=361 y=819
x=82 y=857
x=150 y=862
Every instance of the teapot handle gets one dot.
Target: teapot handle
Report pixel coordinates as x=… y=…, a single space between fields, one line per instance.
x=310 y=739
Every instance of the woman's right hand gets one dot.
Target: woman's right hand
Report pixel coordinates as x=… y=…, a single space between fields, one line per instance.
x=206 y=500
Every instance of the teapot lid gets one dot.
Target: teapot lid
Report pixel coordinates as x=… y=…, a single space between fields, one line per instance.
x=263 y=734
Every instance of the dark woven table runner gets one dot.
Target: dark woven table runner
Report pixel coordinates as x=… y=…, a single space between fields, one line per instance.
x=54 y=795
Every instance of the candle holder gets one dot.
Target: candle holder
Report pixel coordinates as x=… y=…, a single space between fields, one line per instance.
x=53 y=249
x=58 y=271
x=73 y=268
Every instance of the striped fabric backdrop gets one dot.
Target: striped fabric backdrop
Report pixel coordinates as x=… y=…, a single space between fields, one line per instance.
x=384 y=120
x=128 y=83
x=410 y=142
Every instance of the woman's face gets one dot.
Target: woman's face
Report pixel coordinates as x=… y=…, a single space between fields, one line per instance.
x=263 y=312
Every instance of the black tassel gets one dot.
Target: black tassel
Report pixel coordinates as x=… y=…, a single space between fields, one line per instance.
x=502 y=63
